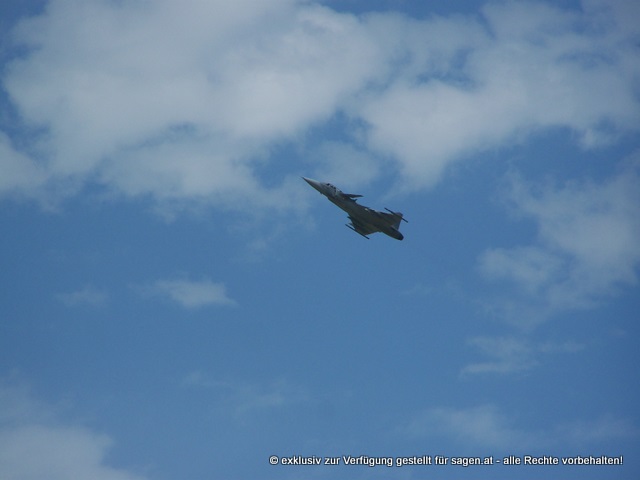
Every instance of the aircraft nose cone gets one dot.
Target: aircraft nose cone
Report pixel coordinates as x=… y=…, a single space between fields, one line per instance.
x=315 y=184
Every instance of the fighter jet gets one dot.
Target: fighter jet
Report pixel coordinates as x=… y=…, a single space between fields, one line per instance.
x=364 y=221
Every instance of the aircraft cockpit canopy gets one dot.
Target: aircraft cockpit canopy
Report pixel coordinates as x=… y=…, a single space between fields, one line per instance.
x=333 y=188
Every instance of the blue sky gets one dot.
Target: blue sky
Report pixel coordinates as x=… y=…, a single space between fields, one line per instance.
x=177 y=303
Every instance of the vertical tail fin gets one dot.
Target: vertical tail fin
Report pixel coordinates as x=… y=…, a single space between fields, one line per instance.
x=397 y=218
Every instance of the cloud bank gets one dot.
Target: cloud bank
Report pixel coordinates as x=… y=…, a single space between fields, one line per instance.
x=34 y=444
x=178 y=102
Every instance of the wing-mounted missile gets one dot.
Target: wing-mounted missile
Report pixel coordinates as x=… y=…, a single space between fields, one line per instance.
x=397 y=214
x=346 y=224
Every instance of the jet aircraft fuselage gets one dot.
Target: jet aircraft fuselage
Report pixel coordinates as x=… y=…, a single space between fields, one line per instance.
x=364 y=220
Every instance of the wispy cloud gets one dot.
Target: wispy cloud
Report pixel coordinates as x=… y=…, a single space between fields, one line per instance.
x=483 y=425
x=604 y=428
x=586 y=247
x=86 y=296
x=488 y=427
x=33 y=444
x=246 y=398
x=190 y=293
x=509 y=354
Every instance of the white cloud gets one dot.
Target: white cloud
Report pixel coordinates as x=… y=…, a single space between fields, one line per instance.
x=181 y=100
x=534 y=67
x=587 y=246
x=191 y=294
x=20 y=174
x=186 y=101
x=36 y=451
x=345 y=165
x=33 y=445
x=597 y=224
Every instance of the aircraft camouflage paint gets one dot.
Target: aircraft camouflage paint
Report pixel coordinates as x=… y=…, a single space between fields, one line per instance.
x=364 y=221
